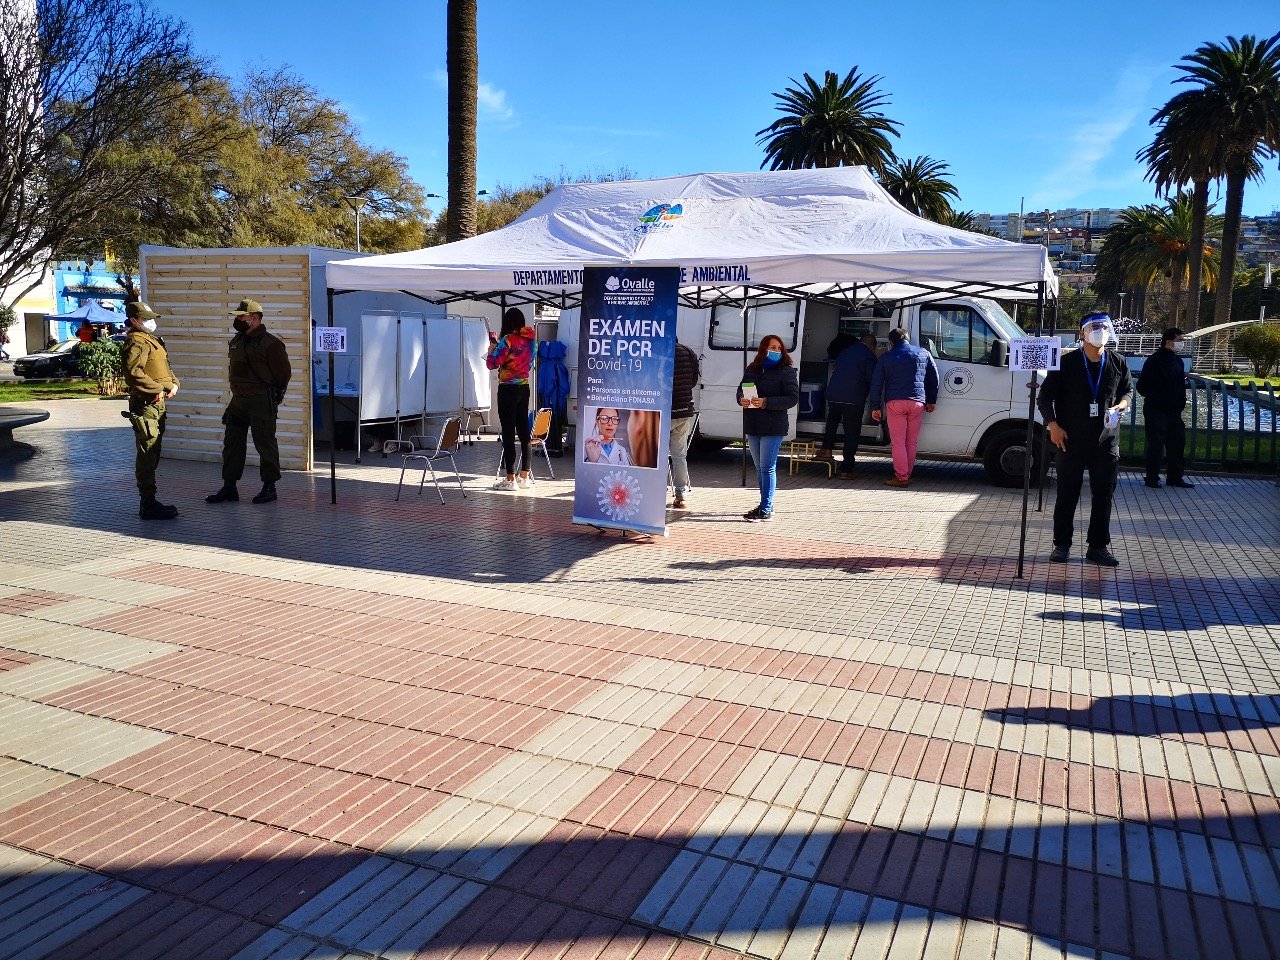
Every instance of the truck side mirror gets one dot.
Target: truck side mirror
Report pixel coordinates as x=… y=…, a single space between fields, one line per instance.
x=999 y=353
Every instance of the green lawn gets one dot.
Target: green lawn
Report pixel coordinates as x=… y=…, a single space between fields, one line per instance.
x=1259 y=453
x=1243 y=378
x=47 y=390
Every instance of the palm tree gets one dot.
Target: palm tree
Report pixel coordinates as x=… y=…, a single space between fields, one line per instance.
x=463 y=63
x=1180 y=154
x=1235 y=109
x=833 y=124
x=1150 y=242
x=921 y=185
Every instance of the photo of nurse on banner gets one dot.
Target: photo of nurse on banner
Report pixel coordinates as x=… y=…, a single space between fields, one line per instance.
x=621 y=437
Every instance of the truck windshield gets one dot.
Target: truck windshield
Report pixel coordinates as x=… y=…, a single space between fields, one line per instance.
x=1006 y=327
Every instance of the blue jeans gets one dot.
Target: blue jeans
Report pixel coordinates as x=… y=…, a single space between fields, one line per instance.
x=764 y=451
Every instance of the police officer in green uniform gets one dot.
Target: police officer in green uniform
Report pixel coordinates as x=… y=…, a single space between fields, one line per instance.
x=258 y=373
x=150 y=381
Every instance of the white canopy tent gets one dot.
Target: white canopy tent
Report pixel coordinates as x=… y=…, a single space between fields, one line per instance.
x=831 y=234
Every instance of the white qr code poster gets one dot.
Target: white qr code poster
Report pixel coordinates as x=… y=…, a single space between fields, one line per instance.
x=331 y=339
x=1035 y=353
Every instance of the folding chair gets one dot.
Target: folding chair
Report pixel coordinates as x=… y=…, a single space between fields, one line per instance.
x=538 y=434
x=446 y=446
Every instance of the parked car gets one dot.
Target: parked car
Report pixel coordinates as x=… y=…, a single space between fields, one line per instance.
x=61 y=361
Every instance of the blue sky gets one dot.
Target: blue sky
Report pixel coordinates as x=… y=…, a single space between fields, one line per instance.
x=1023 y=100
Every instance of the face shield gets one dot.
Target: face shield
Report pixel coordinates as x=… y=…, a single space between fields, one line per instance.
x=1098 y=330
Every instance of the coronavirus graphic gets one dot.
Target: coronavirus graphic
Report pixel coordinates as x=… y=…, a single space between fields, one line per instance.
x=619 y=496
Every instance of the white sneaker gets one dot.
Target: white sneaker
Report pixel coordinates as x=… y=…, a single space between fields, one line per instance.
x=524 y=483
x=505 y=485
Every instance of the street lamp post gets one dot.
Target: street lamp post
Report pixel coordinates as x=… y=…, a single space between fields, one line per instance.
x=1121 y=317
x=357 y=204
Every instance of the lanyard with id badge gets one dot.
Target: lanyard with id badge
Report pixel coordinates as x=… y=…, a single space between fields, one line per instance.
x=1095 y=409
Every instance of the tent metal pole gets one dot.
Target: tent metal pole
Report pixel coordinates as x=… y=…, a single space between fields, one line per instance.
x=333 y=423
x=1029 y=444
x=746 y=451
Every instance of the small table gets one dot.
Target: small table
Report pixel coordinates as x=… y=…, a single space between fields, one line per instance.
x=804 y=451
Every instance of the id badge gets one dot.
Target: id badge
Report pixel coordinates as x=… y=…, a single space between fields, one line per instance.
x=1094 y=410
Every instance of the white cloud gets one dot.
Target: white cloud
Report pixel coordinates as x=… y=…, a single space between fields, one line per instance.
x=491 y=101
x=1092 y=144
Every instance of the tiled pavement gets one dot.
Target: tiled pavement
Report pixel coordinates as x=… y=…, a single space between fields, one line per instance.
x=398 y=730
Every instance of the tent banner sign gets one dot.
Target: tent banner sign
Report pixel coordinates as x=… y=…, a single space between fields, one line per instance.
x=626 y=362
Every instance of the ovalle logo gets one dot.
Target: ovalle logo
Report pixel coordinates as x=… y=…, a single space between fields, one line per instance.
x=612 y=284
x=660 y=217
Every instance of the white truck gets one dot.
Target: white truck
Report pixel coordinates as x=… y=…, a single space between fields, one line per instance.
x=982 y=405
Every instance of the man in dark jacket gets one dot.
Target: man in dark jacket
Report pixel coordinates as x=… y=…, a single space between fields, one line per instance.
x=847 y=393
x=1081 y=404
x=258 y=372
x=682 y=420
x=1163 y=383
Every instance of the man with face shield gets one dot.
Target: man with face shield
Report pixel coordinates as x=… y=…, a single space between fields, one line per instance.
x=1081 y=405
x=151 y=382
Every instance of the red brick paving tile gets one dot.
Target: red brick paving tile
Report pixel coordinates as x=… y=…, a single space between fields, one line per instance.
x=130 y=933
x=1113 y=914
x=30 y=601
x=898 y=865
x=1106 y=790
x=1049 y=910
x=1005 y=775
x=1015 y=894
x=926 y=872
x=934 y=760
x=1185 y=803
x=623 y=883
x=1250 y=937
x=11 y=660
x=1079 y=909
x=984 y=893
x=1159 y=804
x=1177 y=920
x=956 y=878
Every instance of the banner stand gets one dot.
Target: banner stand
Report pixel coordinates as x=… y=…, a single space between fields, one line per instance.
x=626 y=365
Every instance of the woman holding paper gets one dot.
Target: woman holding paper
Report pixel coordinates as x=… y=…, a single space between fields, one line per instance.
x=770 y=387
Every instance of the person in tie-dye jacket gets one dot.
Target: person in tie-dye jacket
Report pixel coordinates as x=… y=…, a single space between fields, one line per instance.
x=512 y=356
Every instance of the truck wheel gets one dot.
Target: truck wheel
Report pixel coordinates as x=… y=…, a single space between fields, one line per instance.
x=1005 y=457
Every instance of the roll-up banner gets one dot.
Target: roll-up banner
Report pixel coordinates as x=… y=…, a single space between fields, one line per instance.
x=626 y=361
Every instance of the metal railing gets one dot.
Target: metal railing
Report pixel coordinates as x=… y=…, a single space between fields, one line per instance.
x=1229 y=425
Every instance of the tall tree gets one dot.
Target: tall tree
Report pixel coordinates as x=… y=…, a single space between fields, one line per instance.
x=1235 y=106
x=1180 y=154
x=834 y=123
x=463 y=62
x=81 y=83
x=921 y=185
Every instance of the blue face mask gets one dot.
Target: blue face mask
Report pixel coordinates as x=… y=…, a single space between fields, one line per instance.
x=773 y=357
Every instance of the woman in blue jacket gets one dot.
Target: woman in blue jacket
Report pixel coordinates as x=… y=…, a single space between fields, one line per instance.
x=764 y=415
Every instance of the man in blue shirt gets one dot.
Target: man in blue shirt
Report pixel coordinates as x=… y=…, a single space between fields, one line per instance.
x=847 y=392
x=905 y=382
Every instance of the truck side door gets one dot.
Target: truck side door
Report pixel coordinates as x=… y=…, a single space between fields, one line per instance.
x=971 y=391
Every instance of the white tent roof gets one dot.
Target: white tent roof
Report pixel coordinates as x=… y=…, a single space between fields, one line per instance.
x=809 y=231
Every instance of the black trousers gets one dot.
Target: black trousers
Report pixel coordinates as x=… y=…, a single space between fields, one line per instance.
x=848 y=416
x=1166 y=437
x=1102 y=463
x=513 y=414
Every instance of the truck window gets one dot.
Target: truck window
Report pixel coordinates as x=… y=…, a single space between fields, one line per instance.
x=780 y=318
x=956 y=333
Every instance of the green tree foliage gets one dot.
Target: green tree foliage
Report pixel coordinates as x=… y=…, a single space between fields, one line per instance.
x=921 y=185
x=1260 y=345
x=103 y=361
x=1152 y=242
x=1228 y=122
x=82 y=83
x=834 y=123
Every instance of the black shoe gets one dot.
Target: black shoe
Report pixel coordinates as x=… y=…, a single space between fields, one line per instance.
x=267 y=495
x=1182 y=484
x=1101 y=556
x=155 y=510
x=1060 y=555
x=752 y=515
x=1154 y=482
x=223 y=495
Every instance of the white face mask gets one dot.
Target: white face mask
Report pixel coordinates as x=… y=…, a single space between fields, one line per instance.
x=1097 y=338
x=148 y=325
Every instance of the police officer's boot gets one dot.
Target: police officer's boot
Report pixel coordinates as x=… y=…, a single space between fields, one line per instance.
x=153 y=509
x=267 y=495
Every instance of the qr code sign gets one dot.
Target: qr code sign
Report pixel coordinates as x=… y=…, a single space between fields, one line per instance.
x=1035 y=353
x=331 y=339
